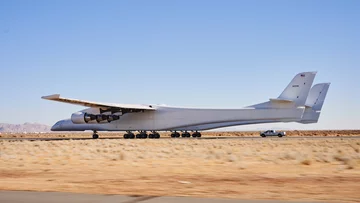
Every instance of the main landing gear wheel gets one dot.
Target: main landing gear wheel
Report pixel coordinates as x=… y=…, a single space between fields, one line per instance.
x=175 y=134
x=129 y=135
x=185 y=134
x=141 y=135
x=196 y=134
x=95 y=135
x=154 y=135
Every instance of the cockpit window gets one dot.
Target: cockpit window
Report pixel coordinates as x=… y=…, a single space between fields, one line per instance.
x=58 y=123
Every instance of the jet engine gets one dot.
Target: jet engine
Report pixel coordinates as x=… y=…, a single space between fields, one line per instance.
x=82 y=118
x=113 y=118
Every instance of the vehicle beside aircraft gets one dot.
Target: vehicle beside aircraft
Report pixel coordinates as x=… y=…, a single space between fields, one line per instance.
x=272 y=133
x=288 y=107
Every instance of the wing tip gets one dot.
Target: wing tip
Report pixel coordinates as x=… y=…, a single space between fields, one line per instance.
x=49 y=97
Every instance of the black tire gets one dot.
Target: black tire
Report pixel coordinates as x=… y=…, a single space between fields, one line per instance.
x=173 y=135
x=194 y=135
x=138 y=136
x=280 y=135
x=95 y=136
x=157 y=136
x=177 y=134
x=126 y=136
x=144 y=136
x=262 y=135
x=132 y=136
x=199 y=135
x=185 y=134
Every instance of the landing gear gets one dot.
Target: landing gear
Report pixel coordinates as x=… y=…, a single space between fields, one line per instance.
x=141 y=135
x=185 y=134
x=95 y=135
x=129 y=135
x=196 y=134
x=154 y=135
x=175 y=134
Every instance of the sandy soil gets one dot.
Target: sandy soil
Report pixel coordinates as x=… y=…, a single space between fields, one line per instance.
x=270 y=168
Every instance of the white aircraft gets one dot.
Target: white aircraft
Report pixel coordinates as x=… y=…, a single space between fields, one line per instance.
x=293 y=105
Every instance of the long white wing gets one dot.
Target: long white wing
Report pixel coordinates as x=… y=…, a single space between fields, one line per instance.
x=135 y=107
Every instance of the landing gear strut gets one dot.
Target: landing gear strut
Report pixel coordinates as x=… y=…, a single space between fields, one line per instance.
x=95 y=135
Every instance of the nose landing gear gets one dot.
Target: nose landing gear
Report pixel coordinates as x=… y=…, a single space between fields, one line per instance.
x=95 y=135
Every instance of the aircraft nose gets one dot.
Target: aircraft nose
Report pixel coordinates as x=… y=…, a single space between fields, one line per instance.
x=56 y=126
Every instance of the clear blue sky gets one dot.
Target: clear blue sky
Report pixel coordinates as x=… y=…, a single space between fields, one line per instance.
x=184 y=53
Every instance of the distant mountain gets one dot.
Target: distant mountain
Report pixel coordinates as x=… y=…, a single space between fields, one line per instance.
x=26 y=127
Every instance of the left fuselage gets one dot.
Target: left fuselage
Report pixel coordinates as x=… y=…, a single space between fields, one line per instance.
x=173 y=118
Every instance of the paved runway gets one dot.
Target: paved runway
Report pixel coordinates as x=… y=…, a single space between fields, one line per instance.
x=59 y=197
x=202 y=138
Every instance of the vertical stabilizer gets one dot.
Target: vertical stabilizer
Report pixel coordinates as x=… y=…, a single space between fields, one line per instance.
x=298 y=89
x=314 y=103
x=295 y=93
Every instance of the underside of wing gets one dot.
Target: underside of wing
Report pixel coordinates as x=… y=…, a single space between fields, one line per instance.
x=125 y=108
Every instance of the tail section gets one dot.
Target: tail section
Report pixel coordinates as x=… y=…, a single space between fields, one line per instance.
x=314 y=103
x=294 y=95
x=298 y=89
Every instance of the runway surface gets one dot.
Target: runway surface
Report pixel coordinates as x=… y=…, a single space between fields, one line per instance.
x=202 y=138
x=59 y=197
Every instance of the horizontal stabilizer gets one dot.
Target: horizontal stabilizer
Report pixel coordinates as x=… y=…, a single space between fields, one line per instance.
x=281 y=100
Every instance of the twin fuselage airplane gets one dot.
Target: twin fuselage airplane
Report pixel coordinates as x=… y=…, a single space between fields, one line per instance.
x=299 y=102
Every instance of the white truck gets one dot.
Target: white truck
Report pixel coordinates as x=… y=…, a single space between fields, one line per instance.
x=272 y=133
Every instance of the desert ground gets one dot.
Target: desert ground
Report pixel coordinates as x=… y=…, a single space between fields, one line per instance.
x=269 y=168
x=291 y=133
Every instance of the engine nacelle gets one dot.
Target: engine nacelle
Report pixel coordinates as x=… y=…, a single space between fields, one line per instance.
x=101 y=118
x=82 y=118
x=112 y=117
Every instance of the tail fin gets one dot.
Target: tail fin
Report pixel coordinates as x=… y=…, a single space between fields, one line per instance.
x=294 y=94
x=314 y=103
x=298 y=89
